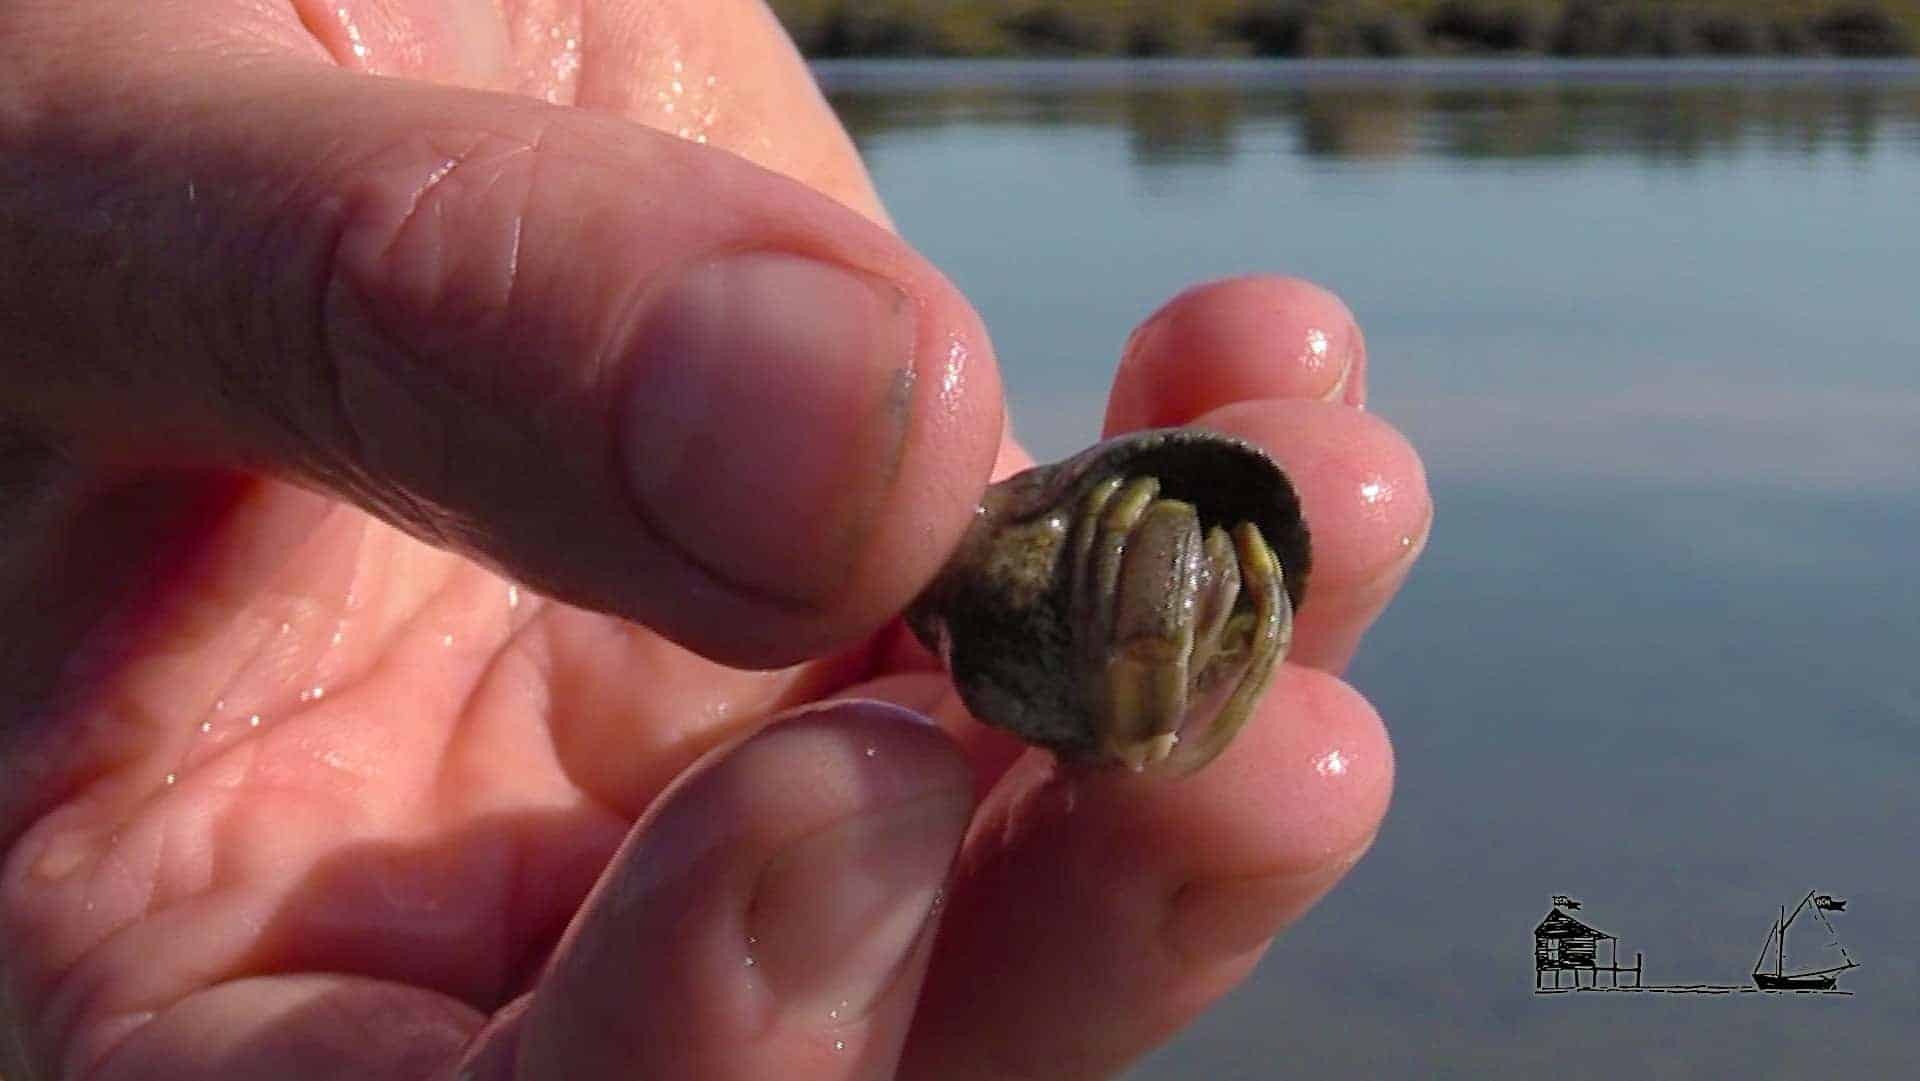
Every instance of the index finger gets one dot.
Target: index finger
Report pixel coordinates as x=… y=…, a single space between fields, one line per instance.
x=1281 y=363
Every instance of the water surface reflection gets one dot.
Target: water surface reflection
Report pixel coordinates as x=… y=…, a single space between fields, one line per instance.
x=1655 y=329
x=1181 y=112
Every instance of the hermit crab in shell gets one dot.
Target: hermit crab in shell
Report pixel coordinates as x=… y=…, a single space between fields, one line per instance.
x=1128 y=605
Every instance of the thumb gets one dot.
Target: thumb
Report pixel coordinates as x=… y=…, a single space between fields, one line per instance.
x=771 y=916
x=643 y=375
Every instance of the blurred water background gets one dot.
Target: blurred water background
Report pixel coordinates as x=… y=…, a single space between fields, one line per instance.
x=1656 y=328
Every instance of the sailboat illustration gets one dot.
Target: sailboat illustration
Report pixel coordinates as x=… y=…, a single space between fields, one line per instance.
x=1819 y=979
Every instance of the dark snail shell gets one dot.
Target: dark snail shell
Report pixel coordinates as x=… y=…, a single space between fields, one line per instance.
x=1001 y=617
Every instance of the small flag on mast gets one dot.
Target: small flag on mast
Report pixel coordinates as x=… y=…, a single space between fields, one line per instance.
x=1561 y=900
x=1829 y=902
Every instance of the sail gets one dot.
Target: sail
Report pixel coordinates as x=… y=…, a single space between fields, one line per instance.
x=1804 y=942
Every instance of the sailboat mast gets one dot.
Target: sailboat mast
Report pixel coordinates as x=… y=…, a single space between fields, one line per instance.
x=1780 y=950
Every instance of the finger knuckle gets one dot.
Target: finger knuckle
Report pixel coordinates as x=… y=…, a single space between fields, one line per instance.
x=421 y=280
x=430 y=227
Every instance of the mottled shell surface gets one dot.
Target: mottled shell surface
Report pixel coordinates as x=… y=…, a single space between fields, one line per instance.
x=998 y=615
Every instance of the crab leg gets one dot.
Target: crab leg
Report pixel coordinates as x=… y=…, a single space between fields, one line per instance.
x=1271 y=633
x=1220 y=585
x=1111 y=512
x=1098 y=541
x=1085 y=599
x=1153 y=634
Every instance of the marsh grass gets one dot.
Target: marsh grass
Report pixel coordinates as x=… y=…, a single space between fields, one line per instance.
x=1311 y=28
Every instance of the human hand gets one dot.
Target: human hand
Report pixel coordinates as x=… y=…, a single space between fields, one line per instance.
x=288 y=792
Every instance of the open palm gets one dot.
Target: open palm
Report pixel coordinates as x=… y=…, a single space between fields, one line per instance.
x=326 y=384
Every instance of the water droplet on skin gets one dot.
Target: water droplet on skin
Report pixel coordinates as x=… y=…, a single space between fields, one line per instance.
x=220 y=705
x=171 y=778
x=253 y=721
x=446 y=639
x=513 y=597
x=338 y=637
x=319 y=693
x=1406 y=540
x=1316 y=348
x=286 y=628
x=206 y=726
x=1331 y=764
x=839 y=1045
x=873 y=752
x=1374 y=491
x=750 y=961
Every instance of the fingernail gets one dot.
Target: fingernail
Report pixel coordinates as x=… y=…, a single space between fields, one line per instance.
x=768 y=408
x=835 y=915
x=1335 y=352
x=1353 y=382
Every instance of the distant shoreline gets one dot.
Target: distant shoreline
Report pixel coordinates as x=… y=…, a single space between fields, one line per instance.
x=1485 y=29
x=894 y=73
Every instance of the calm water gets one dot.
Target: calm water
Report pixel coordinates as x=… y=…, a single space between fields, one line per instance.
x=1657 y=331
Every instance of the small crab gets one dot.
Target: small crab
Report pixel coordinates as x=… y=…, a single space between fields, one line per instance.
x=1098 y=606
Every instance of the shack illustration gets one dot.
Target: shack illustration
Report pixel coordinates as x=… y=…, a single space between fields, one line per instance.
x=1562 y=944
